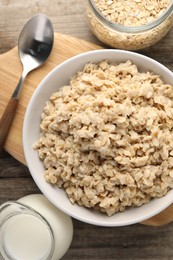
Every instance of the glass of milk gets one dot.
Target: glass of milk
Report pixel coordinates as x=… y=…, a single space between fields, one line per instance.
x=27 y=234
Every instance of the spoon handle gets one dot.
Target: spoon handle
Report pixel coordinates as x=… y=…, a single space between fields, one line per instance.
x=9 y=112
x=6 y=120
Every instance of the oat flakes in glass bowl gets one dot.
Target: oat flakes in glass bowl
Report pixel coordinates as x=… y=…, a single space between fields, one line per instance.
x=97 y=137
x=130 y=25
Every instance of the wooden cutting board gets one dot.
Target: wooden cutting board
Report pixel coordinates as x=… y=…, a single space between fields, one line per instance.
x=10 y=72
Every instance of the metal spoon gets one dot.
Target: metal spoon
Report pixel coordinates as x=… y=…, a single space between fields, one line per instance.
x=34 y=47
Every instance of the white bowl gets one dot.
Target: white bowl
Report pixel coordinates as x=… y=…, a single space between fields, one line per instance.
x=57 y=78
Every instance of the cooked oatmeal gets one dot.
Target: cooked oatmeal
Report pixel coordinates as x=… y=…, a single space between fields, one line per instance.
x=106 y=138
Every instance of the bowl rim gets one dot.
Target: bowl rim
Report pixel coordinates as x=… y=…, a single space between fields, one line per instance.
x=27 y=153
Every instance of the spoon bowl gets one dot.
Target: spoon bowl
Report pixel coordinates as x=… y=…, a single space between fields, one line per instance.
x=34 y=47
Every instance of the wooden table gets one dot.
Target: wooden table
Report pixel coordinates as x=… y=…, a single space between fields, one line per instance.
x=89 y=242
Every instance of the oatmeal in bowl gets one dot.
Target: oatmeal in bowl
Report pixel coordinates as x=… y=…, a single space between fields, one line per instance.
x=102 y=147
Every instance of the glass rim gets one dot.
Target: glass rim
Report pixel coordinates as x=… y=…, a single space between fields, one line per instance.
x=131 y=29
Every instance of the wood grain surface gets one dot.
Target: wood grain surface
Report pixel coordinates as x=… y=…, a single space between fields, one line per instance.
x=89 y=242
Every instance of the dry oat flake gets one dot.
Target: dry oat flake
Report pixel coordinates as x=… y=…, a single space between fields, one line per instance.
x=132 y=12
x=106 y=138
